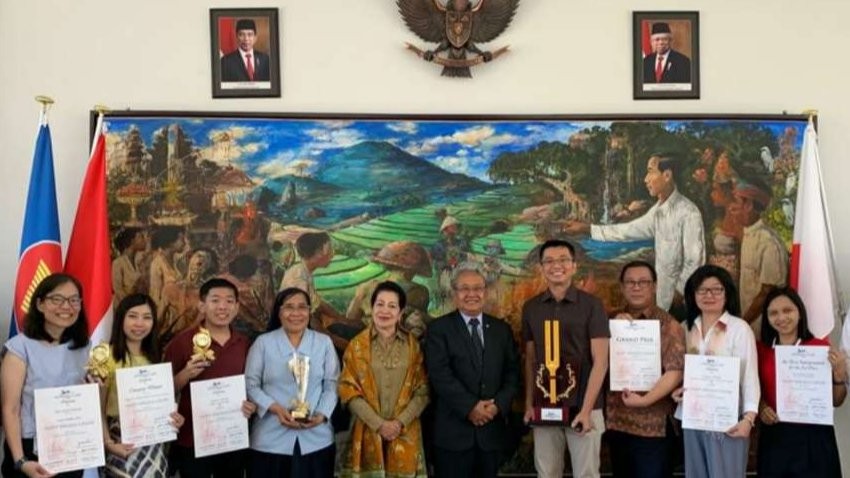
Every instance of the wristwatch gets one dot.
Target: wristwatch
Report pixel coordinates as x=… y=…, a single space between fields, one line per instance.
x=19 y=465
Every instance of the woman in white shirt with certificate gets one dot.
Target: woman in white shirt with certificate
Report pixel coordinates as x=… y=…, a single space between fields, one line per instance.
x=714 y=328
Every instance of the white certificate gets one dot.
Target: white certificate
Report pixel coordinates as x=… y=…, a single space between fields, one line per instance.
x=68 y=428
x=635 y=354
x=803 y=384
x=218 y=424
x=145 y=403
x=712 y=387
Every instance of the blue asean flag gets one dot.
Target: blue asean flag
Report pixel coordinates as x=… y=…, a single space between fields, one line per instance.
x=41 y=252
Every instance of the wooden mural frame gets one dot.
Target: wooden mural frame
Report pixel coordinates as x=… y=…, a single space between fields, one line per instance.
x=242 y=188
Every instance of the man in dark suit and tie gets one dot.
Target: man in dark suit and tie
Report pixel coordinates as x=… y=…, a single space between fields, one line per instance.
x=665 y=65
x=245 y=63
x=473 y=370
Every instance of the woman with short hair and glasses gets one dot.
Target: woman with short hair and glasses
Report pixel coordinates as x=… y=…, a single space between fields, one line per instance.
x=52 y=351
x=286 y=365
x=715 y=328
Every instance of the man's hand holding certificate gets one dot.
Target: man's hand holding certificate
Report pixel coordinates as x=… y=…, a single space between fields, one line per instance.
x=68 y=426
x=218 y=421
x=635 y=354
x=712 y=388
x=145 y=404
x=803 y=384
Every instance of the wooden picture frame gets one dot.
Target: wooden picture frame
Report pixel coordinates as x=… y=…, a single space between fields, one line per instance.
x=232 y=75
x=676 y=74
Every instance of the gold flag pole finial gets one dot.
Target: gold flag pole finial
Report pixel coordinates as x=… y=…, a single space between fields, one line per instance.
x=101 y=109
x=811 y=113
x=45 y=101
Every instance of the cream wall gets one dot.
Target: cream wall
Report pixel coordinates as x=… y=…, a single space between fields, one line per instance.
x=757 y=56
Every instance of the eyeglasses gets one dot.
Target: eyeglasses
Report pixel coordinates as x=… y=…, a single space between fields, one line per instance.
x=714 y=291
x=561 y=262
x=57 y=300
x=639 y=284
x=470 y=290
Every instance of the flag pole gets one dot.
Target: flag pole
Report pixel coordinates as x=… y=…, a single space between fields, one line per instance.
x=101 y=110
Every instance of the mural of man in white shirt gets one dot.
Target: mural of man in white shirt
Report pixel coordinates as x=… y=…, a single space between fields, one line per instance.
x=674 y=222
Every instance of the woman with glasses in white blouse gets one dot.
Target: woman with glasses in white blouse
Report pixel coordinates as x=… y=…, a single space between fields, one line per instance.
x=715 y=328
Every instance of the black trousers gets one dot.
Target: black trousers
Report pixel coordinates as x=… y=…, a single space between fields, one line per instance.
x=225 y=465
x=787 y=450
x=319 y=464
x=640 y=457
x=7 y=469
x=470 y=463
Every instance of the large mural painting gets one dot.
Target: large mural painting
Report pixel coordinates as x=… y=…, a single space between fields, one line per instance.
x=201 y=195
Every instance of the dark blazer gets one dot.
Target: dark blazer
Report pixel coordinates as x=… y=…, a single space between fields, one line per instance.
x=458 y=382
x=677 y=69
x=233 y=68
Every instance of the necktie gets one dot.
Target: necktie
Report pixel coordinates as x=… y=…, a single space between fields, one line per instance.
x=249 y=63
x=659 y=69
x=477 y=344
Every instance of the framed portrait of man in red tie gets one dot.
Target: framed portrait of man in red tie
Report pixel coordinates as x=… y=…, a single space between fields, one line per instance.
x=666 y=55
x=245 y=52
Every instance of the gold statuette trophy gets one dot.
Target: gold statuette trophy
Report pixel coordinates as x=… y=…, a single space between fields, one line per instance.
x=97 y=365
x=300 y=367
x=201 y=343
x=554 y=381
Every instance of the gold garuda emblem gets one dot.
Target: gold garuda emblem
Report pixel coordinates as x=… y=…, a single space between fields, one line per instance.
x=457 y=26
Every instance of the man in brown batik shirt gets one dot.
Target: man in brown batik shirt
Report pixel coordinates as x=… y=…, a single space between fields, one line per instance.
x=639 y=431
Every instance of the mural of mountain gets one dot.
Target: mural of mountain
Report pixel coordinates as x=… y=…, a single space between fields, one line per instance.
x=381 y=166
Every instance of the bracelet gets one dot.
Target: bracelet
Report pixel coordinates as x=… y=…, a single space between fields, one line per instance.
x=750 y=420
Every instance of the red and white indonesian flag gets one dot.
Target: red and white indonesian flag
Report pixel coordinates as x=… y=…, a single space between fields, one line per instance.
x=812 y=272
x=88 y=257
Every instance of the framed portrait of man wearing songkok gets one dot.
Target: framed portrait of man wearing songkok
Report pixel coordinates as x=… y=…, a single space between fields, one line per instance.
x=666 y=55
x=244 y=52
